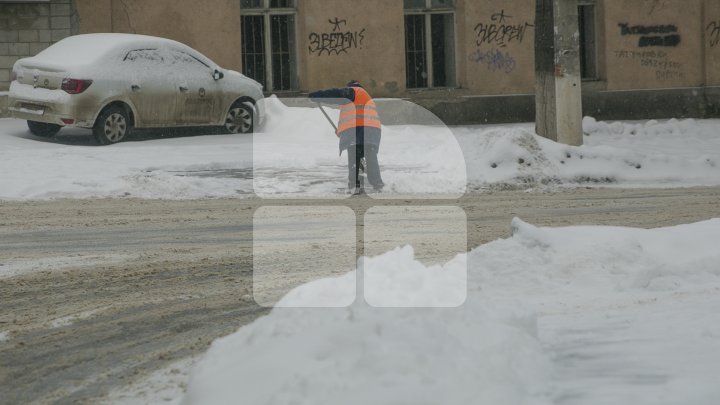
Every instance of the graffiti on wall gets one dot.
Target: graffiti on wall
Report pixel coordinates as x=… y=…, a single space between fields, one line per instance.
x=657 y=6
x=499 y=31
x=494 y=60
x=713 y=33
x=338 y=40
x=652 y=35
x=658 y=62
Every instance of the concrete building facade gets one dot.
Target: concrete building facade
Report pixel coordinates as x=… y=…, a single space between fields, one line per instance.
x=469 y=61
x=28 y=27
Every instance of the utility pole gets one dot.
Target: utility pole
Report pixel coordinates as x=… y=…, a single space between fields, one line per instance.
x=558 y=90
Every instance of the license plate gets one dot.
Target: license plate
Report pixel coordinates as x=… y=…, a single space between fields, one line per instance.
x=32 y=109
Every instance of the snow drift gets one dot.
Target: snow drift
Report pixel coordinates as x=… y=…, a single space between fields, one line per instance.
x=599 y=315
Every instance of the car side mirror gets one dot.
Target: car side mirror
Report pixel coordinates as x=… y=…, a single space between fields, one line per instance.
x=217 y=75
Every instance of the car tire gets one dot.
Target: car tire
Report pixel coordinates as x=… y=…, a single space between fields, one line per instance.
x=240 y=119
x=112 y=126
x=43 y=129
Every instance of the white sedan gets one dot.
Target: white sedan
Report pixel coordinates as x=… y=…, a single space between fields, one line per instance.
x=115 y=82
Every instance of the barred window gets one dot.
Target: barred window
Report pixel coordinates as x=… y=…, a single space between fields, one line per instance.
x=429 y=43
x=268 y=43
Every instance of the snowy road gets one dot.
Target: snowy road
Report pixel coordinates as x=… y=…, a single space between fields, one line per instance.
x=100 y=293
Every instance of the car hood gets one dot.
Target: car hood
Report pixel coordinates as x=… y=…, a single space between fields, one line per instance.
x=239 y=76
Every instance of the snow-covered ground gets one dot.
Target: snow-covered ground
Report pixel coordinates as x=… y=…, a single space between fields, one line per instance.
x=576 y=315
x=653 y=153
x=296 y=155
x=590 y=315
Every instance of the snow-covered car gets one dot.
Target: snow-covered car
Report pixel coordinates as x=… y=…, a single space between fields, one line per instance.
x=115 y=82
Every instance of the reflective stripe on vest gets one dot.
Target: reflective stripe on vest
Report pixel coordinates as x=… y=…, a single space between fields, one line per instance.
x=360 y=113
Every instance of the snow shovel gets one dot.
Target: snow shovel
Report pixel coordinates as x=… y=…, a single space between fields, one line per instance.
x=362 y=161
x=328 y=119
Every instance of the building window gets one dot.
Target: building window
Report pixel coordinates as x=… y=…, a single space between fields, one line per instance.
x=430 y=43
x=588 y=43
x=268 y=43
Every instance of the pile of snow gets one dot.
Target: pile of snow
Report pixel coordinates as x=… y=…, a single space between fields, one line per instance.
x=361 y=355
x=296 y=155
x=641 y=154
x=600 y=315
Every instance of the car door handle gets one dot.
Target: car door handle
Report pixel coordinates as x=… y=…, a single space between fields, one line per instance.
x=184 y=89
x=135 y=87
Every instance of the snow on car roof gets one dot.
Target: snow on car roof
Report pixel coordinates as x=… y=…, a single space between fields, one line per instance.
x=85 y=49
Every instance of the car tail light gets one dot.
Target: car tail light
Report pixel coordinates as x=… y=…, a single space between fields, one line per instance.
x=75 y=86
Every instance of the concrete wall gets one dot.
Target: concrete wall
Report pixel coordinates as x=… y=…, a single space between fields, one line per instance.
x=664 y=44
x=94 y=16
x=653 y=44
x=711 y=27
x=28 y=28
x=373 y=50
x=498 y=46
x=210 y=26
x=494 y=41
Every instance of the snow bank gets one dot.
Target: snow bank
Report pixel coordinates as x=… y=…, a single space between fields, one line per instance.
x=296 y=155
x=550 y=314
x=653 y=154
x=597 y=261
x=361 y=355
x=397 y=280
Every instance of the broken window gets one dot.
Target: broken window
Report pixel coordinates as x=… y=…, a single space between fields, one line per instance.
x=268 y=43
x=429 y=43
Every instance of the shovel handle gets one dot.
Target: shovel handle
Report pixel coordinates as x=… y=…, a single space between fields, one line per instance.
x=328 y=118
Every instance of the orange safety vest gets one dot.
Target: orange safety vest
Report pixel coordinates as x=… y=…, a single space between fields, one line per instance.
x=360 y=113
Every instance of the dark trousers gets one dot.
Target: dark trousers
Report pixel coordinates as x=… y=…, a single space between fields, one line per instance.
x=372 y=167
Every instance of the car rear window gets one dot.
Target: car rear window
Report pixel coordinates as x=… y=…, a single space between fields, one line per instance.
x=77 y=50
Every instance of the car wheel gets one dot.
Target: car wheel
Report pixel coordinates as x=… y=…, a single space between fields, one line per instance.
x=112 y=126
x=239 y=119
x=42 y=129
